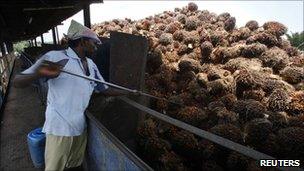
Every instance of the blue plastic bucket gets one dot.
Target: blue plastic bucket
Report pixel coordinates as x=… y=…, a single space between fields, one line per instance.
x=36 y=144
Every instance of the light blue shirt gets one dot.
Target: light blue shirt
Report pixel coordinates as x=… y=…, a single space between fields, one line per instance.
x=68 y=96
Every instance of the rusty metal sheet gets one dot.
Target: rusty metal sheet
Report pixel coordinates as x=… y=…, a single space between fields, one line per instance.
x=102 y=57
x=127 y=68
x=128 y=59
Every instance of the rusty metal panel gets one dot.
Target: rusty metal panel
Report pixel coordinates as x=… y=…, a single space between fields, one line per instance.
x=128 y=59
x=110 y=145
x=127 y=68
x=106 y=152
x=102 y=58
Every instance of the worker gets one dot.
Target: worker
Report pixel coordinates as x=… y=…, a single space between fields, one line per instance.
x=68 y=96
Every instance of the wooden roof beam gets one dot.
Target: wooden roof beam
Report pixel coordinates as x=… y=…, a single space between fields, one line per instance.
x=48 y=8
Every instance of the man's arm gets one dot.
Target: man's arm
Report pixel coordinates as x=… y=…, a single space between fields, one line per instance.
x=43 y=70
x=24 y=80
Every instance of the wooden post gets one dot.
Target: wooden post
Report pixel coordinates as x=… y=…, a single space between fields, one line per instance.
x=35 y=41
x=54 y=36
x=42 y=41
x=86 y=15
x=11 y=47
x=57 y=34
x=8 y=47
x=3 y=49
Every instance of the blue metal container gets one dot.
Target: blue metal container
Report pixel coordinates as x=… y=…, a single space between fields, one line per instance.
x=36 y=143
x=106 y=152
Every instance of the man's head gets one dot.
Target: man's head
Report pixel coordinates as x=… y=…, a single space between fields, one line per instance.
x=86 y=45
x=82 y=38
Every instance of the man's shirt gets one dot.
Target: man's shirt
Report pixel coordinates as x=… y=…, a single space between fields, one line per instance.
x=68 y=96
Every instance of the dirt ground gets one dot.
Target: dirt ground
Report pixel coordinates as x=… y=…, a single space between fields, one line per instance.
x=23 y=112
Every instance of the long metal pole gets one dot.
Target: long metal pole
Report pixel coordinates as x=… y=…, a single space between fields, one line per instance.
x=120 y=87
x=103 y=82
